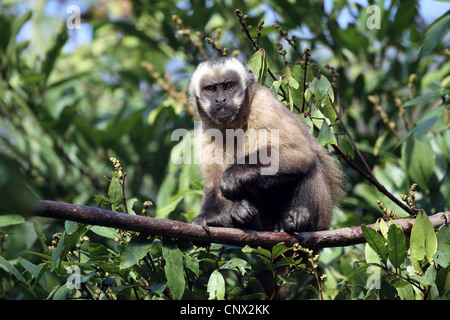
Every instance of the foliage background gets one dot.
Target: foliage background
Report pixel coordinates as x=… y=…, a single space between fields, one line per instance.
x=70 y=99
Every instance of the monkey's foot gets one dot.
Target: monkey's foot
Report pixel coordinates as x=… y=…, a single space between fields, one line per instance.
x=295 y=220
x=243 y=212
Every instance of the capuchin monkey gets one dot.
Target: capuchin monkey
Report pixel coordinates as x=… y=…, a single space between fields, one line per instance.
x=276 y=177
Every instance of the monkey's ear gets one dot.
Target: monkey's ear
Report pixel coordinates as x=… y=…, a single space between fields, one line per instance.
x=251 y=79
x=192 y=98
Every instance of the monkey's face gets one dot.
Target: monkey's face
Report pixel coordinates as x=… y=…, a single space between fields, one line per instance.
x=218 y=90
x=221 y=96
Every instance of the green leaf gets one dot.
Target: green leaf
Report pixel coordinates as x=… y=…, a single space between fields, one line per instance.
x=61 y=293
x=216 y=286
x=324 y=96
x=37 y=254
x=276 y=84
x=419 y=160
x=352 y=39
x=130 y=203
x=158 y=288
x=404 y=290
x=74 y=76
x=362 y=268
x=424 y=97
x=42 y=238
x=423 y=241
x=106 y=232
x=370 y=255
x=298 y=74
x=102 y=201
x=258 y=64
x=442 y=255
x=427 y=121
x=379 y=143
x=279 y=249
x=292 y=82
x=11 y=219
x=115 y=193
x=419 y=279
x=192 y=264
x=164 y=211
x=53 y=52
x=417 y=240
x=70 y=226
x=56 y=254
x=267 y=262
x=430 y=239
x=15 y=28
x=307 y=94
x=434 y=34
x=11 y=269
x=287 y=262
x=174 y=269
x=5 y=26
x=136 y=249
x=347 y=146
x=236 y=263
x=384 y=227
x=66 y=243
x=263 y=252
x=443 y=236
x=325 y=135
x=397 y=245
x=376 y=242
x=98 y=252
x=35 y=271
x=430 y=274
x=442 y=280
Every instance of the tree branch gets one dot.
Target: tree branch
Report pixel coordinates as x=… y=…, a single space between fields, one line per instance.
x=231 y=236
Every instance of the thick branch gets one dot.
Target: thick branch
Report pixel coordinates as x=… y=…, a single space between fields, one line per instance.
x=232 y=236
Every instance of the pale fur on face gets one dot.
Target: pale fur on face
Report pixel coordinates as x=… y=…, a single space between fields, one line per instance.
x=216 y=68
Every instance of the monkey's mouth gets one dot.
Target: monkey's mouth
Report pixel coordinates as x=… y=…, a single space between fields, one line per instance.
x=224 y=114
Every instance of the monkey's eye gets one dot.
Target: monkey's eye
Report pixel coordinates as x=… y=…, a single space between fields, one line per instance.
x=210 y=89
x=228 y=86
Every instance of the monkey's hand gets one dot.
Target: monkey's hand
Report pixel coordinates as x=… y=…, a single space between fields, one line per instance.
x=240 y=214
x=202 y=221
x=213 y=219
x=235 y=180
x=244 y=214
x=295 y=220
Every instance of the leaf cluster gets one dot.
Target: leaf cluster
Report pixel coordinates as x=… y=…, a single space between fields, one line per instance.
x=414 y=267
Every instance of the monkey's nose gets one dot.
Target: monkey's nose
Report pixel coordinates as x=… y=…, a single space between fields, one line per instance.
x=221 y=100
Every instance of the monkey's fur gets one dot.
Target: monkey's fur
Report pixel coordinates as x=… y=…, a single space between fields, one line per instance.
x=299 y=197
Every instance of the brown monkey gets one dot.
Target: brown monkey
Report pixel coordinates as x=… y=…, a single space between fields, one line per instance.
x=283 y=181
